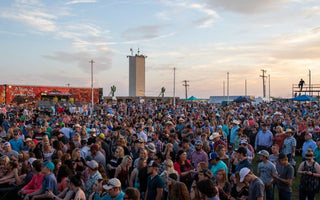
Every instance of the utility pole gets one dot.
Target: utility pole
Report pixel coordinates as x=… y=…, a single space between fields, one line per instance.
x=245 y=88
x=91 y=62
x=263 y=76
x=186 y=87
x=310 y=93
x=224 y=88
x=269 y=87
x=228 y=86
x=68 y=84
x=174 y=87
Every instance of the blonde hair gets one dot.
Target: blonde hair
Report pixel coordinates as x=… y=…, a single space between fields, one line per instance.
x=74 y=152
x=168 y=166
x=121 y=151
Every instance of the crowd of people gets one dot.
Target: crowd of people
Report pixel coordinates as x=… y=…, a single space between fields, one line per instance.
x=158 y=151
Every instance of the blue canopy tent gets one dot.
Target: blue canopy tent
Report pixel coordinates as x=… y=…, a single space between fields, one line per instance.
x=303 y=98
x=192 y=98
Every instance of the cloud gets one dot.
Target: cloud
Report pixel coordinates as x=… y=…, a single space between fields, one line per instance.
x=33 y=14
x=142 y=32
x=80 y=1
x=246 y=6
x=103 y=60
x=181 y=6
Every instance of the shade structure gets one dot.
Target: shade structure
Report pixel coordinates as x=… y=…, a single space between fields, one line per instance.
x=192 y=98
x=303 y=98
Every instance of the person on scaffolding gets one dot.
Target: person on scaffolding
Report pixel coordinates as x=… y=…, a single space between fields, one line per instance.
x=300 y=85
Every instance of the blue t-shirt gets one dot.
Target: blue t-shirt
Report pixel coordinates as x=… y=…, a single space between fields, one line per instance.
x=50 y=183
x=16 y=145
x=153 y=185
x=219 y=165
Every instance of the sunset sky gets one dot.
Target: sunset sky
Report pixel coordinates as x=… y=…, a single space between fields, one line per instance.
x=50 y=42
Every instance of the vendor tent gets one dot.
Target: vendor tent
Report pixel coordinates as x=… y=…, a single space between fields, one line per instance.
x=303 y=98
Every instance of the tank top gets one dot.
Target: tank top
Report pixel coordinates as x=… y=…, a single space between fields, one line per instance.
x=309 y=183
x=123 y=176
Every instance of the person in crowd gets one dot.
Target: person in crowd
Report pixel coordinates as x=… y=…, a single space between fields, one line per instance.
x=264 y=139
x=187 y=147
x=317 y=152
x=113 y=188
x=250 y=152
x=308 y=144
x=92 y=167
x=131 y=193
x=134 y=177
x=240 y=190
x=16 y=143
x=289 y=145
x=168 y=169
x=123 y=171
x=233 y=132
x=49 y=183
x=63 y=177
x=256 y=187
x=216 y=164
x=199 y=155
x=279 y=137
x=176 y=189
x=224 y=187
x=221 y=151
x=207 y=190
x=216 y=138
x=36 y=181
x=237 y=139
x=155 y=183
x=97 y=155
x=284 y=178
x=266 y=171
x=242 y=159
x=115 y=161
x=11 y=171
x=8 y=151
x=309 y=180
x=58 y=150
x=184 y=168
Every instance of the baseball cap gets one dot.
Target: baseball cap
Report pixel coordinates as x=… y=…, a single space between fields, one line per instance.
x=213 y=155
x=264 y=153
x=152 y=163
x=49 y=165
x=102 y=136
x=244 y=142
x=199 y=142
x=7 y=144
x=309 y=134
x=28 y=140
x=92 y=164
x=31 y=160
x=112 y=183
x=243 y=173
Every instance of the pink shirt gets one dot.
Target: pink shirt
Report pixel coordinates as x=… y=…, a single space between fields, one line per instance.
x=34 y=185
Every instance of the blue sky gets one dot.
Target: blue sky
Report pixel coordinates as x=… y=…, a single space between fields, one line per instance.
x=51 y=42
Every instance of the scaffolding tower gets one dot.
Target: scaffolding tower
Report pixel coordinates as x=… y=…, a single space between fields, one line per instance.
x=307 y=89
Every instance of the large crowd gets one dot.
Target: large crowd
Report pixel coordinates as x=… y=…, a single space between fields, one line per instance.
x=157 y=151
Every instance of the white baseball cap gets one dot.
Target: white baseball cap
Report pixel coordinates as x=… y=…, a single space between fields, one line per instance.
x=243 y=173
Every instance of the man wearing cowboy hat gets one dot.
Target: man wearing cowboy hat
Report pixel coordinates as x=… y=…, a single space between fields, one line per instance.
x=289 y=144
x=216 y=138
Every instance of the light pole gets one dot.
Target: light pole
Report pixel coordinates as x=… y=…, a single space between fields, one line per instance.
x=91 y=61
x=174 y=87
